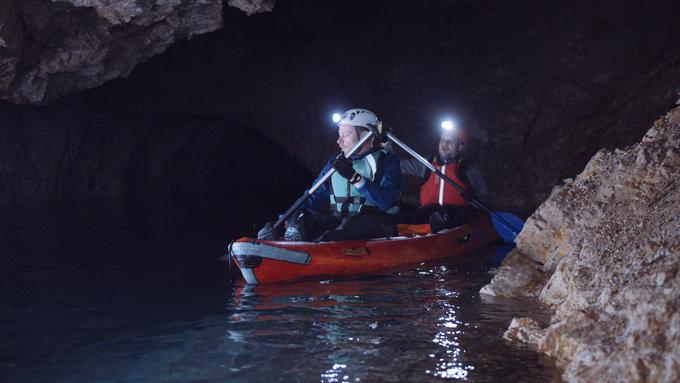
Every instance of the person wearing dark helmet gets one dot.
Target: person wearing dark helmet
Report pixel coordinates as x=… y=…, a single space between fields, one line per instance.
x=359 y=200
x=440 y=203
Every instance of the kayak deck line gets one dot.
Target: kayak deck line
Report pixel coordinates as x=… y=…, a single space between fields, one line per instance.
x=272 y=252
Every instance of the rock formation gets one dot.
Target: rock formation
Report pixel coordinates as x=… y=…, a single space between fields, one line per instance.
x=51 y=48
x=604 y=251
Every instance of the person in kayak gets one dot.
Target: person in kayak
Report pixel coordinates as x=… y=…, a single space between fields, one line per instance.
x=359 y=200
x=440 y=203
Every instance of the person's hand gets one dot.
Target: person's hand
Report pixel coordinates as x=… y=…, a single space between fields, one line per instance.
x=268 y=232
x=343 y=166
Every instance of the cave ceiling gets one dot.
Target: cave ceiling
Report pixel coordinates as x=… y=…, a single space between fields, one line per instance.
x=52 y=48
x=539 y=86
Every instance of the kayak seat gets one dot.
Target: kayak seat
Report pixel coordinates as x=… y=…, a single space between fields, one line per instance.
x=407 y=230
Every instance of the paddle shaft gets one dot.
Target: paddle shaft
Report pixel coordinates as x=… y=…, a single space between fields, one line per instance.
x=308 y=193
x=474 y=203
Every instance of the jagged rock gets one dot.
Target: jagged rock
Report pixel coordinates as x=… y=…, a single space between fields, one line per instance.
x=51 y=48
x=608 y=247
x=48 y=49
x=517 y=273
x=524 y=330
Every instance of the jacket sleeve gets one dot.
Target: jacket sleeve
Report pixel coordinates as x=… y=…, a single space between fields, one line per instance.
x=477 y=182
x=320 y=199
x=413 y=167
x=386 y=191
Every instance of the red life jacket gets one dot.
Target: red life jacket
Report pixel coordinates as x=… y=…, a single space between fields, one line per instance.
x=437 y=192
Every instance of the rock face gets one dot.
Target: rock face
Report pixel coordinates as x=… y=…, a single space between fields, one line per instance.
x=51 y=48
x=604 y=251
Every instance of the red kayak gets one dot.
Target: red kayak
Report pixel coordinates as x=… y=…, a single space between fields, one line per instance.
x=263 y=262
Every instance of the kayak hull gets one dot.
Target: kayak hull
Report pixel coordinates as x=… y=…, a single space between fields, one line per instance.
x=263 y=262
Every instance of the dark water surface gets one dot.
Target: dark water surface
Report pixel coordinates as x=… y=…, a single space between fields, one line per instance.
x=94 y=294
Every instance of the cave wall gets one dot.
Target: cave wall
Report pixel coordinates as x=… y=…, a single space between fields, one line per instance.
x=178 y=162
x=539 y=87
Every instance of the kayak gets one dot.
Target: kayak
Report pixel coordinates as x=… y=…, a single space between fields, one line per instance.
x=265 y=261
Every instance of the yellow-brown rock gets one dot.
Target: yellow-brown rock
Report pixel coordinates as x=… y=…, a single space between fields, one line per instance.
x=604 y=252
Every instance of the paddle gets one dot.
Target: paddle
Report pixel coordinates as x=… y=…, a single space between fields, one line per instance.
x=503 y=220
x=308 y=193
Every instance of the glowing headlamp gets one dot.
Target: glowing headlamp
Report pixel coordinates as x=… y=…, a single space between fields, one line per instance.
x=448 y=125
x=336 y=117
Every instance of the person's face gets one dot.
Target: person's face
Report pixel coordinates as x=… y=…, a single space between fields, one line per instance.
x=347 y=138
x=450 y=146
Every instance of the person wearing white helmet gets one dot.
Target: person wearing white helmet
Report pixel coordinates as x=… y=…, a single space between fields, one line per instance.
x=359 y=200
x=440 y=203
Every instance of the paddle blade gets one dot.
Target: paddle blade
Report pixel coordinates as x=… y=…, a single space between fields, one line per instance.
x=507 y=225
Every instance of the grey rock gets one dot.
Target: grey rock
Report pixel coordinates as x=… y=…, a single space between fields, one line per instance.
x=48 y=49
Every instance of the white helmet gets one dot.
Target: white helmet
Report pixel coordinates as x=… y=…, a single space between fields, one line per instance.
x=358 y=117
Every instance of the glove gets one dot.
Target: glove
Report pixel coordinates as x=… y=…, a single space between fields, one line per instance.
x=382 y=132
x=268 y=232
x=343 y=166
x=469 y=195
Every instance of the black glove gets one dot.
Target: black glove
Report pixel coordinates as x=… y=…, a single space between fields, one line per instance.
x=469 y=195
x=268 y=232
x=343 y=166
x=383 y=130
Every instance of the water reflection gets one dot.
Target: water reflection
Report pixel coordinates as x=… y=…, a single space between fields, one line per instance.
x=450 y=365
x=97 y=300
x=413 y=325
x=448 y=351
x=331 y=321
x=336 y=374
x=422 y=324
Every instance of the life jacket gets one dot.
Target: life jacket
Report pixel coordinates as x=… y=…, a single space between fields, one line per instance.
x=346 y=198
x=436 y=191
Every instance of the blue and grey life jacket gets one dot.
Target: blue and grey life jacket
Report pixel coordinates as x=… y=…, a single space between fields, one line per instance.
x=346 y=198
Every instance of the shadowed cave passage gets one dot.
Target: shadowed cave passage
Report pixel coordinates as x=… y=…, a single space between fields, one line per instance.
x=180 y=162
x=115 y=202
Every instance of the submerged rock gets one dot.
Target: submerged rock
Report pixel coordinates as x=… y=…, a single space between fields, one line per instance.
x=604 y=251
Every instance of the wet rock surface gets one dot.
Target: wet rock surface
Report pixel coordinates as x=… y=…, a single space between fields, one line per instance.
x=604 y=251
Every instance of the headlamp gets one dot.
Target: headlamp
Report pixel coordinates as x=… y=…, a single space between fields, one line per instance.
x=448 y=125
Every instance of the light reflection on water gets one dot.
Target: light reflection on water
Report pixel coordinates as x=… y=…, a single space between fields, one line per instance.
x=449 y=365
x=416 y=325
x=91 y=303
